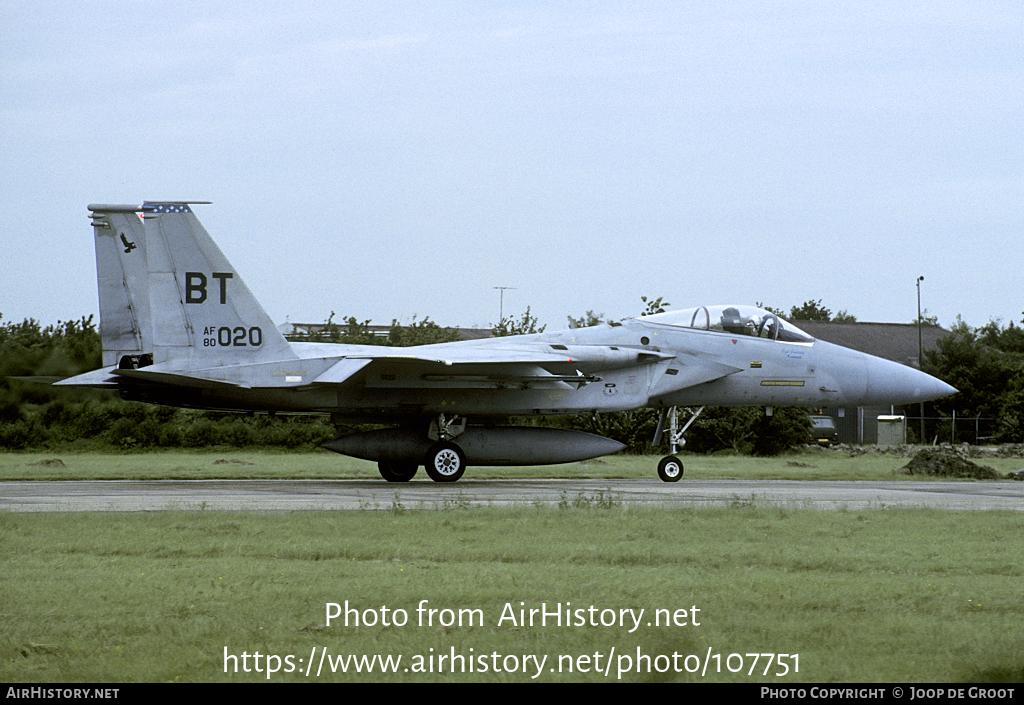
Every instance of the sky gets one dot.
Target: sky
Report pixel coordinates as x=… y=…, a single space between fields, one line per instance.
x=393 y=160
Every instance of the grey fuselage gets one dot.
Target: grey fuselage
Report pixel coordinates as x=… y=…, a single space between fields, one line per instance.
x=638 y=363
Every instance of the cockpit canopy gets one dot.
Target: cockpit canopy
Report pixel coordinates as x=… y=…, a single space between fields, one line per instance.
x=734 y=320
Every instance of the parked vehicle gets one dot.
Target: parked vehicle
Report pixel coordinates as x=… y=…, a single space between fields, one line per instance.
x=823 y=431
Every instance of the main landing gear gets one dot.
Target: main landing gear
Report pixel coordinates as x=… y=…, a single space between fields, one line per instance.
x=444 y=460
x=397 y=471
x=670 y=468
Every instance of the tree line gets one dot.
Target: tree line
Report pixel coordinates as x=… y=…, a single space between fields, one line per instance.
x=986 y=364
x=37 y=416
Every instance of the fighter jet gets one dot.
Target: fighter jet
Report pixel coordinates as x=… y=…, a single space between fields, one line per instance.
x=181 y=328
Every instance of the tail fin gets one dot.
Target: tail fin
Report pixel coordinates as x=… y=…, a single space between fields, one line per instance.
x=122 y=274
x=201 y=310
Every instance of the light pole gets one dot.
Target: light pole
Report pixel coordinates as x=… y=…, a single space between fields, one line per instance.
x=501 y=303
x=920 y=351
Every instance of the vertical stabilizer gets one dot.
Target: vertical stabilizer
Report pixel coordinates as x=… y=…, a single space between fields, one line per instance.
x=202 y=311
x=121 y=271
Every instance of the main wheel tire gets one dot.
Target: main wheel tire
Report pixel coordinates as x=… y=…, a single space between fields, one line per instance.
x=397 y=471
x=445 y=462
x=670 y=469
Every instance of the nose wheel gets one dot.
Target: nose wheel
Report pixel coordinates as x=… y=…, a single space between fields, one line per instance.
x=670 y=469
x=445 y=462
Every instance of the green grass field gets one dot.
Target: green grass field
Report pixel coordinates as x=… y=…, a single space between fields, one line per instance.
x=881 y=595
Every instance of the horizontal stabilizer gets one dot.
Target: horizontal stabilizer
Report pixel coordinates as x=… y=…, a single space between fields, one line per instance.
x=179 y=380
x=37 y=379
x=97 y=379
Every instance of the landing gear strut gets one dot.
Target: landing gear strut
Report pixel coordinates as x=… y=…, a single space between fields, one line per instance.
x=670 y=469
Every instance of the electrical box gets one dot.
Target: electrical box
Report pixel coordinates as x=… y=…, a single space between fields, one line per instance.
x=892 y=430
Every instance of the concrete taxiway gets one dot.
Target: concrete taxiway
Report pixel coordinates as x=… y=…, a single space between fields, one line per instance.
x=349 y=495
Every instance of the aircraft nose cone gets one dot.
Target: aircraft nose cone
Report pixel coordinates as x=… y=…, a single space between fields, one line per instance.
x=945 y=389
x=892 y=383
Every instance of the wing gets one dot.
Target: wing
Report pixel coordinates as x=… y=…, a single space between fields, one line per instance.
x=483 y=367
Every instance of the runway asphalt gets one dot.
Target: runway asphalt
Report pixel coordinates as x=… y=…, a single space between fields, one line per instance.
x=350 y=495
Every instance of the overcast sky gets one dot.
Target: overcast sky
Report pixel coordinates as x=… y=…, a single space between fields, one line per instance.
x=385 y=160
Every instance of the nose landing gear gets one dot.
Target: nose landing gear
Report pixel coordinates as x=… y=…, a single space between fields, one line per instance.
x=670 y=468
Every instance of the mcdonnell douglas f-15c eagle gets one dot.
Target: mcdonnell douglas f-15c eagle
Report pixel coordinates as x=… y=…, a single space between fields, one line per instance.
x=180 y=327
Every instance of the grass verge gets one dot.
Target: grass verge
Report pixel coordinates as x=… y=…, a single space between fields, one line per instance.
x=860 y=596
